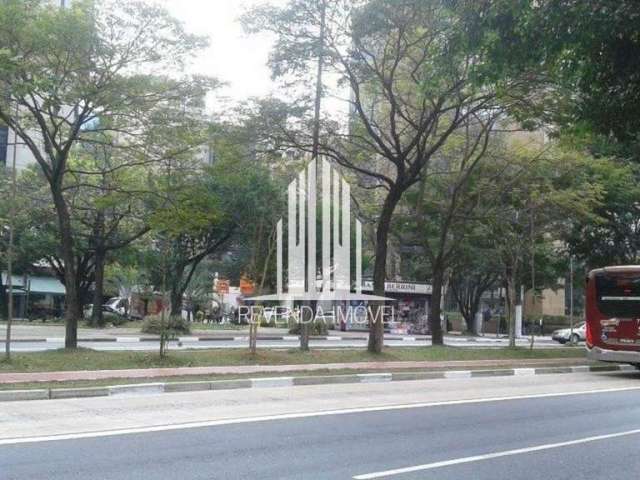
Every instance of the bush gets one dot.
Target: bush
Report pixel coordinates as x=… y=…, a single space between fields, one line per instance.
x=172 y=325
x=114 y=319
x=267 y=323
x=318 y=327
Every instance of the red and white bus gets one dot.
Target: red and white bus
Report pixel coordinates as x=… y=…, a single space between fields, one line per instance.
x=613 y=314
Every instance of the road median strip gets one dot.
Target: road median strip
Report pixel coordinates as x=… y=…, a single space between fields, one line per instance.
x=289 y=381
x=212 y=338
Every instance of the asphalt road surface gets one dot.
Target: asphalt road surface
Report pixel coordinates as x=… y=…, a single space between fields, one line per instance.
x=241 y=342
x=574 y=426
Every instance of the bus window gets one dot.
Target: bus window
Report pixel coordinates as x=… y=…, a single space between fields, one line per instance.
x=619 y=295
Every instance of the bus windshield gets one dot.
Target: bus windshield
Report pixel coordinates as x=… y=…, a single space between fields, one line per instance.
x=618 y=295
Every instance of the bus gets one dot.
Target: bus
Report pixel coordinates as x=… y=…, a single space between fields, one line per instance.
x=613 y=314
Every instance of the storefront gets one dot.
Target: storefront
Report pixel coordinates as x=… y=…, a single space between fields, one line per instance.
x=410 y=303
x=36 y=296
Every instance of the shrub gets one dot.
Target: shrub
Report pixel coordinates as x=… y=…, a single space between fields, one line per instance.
x=318 y=327
x=268 y=323
x=172 y=325
x=114 y=319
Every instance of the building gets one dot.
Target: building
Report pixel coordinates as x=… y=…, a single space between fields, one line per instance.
x=8 y=148
x=36 y=296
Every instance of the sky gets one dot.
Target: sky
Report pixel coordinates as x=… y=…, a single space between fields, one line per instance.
x=233 y=57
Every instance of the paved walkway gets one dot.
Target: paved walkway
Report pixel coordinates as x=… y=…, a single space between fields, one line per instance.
x=253 y=369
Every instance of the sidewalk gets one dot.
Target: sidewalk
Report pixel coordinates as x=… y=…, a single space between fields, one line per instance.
x=6 y=378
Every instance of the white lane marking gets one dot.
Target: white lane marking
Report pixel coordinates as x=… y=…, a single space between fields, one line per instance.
x=489 y=456
x=288 y=416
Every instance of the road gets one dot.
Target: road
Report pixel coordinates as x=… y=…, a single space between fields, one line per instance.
x=574 y=426
x=124 y=343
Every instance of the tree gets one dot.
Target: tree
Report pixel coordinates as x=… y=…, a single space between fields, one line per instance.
x=67 y=68
x=32 y=240
x=475 y=268
x=410 y=70
x=539 y=196
x=445 y=204
x=612 y=235
x=110 y=200
x=584 y=57
x=209 y=210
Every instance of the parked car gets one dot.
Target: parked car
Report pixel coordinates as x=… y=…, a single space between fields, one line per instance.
x=116 y=305
x=566 y=335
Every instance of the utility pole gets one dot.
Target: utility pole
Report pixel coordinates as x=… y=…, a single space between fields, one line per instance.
x=571 y=296
x=304 y=326
x=533 y=278
x=12 y=214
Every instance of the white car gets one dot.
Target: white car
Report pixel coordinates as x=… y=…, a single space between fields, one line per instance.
x=566 y=335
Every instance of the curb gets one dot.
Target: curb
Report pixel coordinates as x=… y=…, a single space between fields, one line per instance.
x=237 y=338
x=274 y=382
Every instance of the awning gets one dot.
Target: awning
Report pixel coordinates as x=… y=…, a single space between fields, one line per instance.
x=36 y=284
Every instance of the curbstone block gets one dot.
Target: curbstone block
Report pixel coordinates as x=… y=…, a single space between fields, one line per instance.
x=56 y=393
x=127 y=339
x=171 y=387
x=458 y=374
x=374 y=377
x=505 y=372
x=271 y=382
x=137 y=389
x=230 y=384
x=547 y=370
x=325 y=379
x=188 y=339
x=17 y=395
x=580 y=369
x=408 y=376
x=628 y=368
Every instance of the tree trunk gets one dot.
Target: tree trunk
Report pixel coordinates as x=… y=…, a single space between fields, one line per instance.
x=471 y=322
x=97 y=317
x=376 y=324
x=72 y=304
x=305 y=325
x=176 y=301
x=435 y=325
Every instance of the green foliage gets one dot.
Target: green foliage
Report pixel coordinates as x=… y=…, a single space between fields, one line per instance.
x=113 y=319
x=171 y=325
x=317 y=327
x=582 y=59
x=612 y=235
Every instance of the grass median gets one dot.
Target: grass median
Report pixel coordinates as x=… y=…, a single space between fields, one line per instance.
x=86 y=359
